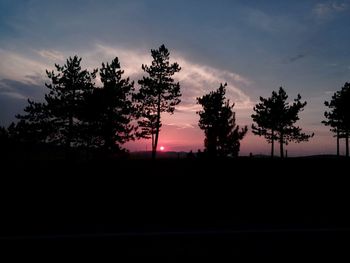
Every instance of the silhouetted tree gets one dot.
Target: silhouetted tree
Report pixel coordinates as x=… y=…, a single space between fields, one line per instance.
x=35 y=125
x=333 y=119
x=217 y=119
x=338 y=118
x=158 y=93
x=3 y=136
x=190 y=155
x=65 y=101
x=4 y=142
x=3 y=132
x=109 y=110
x=60 y=119
x=275 y=119
x=199 y=154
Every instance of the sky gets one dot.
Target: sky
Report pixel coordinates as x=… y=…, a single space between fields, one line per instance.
x=254 y=46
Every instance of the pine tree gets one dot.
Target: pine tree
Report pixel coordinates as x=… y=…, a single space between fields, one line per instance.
x=338 y=118
x=109 y=109
x=158 y=93
x=3 y=132
x=59 y=119
x=35 y=125
x=275 y=118
x=218 y=120
x=4 y=143
x=65 y=101
x=4 y=136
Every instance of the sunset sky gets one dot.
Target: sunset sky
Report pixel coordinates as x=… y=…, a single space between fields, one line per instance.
x=254 y=46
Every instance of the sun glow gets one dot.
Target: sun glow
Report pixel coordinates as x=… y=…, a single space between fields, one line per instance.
x=161 y=148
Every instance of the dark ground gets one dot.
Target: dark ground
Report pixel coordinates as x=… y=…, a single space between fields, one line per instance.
x=294 y=208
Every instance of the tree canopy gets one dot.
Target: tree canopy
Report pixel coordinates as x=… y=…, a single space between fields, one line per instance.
x=338 y=116
x=77 y=113
x=109 y=110
x=218 y=120
x=65 y=101
x=158 y=93
x=275 y=119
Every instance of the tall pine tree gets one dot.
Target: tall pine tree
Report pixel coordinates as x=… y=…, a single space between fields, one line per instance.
x=158 y=93
x=218 y=120
x=60 y=118
x=109 y=109
x=65 y=101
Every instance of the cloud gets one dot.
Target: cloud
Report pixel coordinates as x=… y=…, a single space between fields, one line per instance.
x=195 y=79
x=327 y=9
x=272 y=23
x=22 y=67
x=340 y=7
x=23 y=76
x=293 y=59
x=13 y=98
x=188 y=108
x=261 y=20
x=51 y=55
x=297 y=57
x=12 y=95
x=181 y=126
x=198 y=80
x=20 y=90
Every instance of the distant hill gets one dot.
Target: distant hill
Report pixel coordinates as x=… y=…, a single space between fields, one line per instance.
x=160 y=155
x=182 y=155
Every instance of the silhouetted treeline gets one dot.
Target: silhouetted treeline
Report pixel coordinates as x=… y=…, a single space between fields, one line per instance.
x=78 y=115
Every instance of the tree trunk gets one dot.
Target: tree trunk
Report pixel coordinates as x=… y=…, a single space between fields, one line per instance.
x=281 y=146
x=69 y=137
x=347 y=144
x=152 y=131
x=273 y=144
x=154 y=150
x=70 y=125
x=108 y=133
x=71 y=110
x=338 y=153
x=70 y=131
x=211 y=143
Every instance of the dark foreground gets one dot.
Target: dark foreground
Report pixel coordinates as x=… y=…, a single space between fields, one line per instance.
x=295 y=208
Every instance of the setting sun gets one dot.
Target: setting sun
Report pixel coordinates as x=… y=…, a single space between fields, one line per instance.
x=162 y=148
